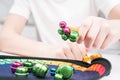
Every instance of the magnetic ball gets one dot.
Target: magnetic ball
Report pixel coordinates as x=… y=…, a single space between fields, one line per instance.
x=40 y=70
x=62 y=69
x=62 y=24
x=68 y=32
x=52 y=71
x=28 y=64
x=21 y=71
x=14 y=65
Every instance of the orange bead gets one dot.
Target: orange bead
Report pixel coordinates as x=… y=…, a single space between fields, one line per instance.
x=96 y=55
x=74 y=28
x=86 y=58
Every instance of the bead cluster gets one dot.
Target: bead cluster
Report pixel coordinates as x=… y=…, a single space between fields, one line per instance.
x=21 y=69
x=66 y=32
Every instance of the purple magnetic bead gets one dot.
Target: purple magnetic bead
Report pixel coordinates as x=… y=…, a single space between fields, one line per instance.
x=66 y=30
x=15 y=65
x=62 y=24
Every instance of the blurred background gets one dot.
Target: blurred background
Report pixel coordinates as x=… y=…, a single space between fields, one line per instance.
x=30 y=29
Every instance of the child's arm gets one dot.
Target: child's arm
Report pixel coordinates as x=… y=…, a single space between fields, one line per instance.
x=12 y=42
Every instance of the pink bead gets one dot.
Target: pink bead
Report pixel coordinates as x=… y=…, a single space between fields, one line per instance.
x=62 y=24
x=66 y=30
x=16 y=64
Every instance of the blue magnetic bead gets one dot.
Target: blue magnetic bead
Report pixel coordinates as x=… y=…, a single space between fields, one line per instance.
x=52 y=69
x=52 y=73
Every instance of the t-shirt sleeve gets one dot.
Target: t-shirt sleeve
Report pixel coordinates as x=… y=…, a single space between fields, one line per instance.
x=106 y=6
x=20 y=7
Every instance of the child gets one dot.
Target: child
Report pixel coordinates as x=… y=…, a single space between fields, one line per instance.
x=94 y=31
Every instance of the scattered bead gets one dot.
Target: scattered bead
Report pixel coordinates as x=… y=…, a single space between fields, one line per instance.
x=15 y=65
x=86 y=58
x=40 y=70
x=52 y=71
x=58 y=77
x=2 y=61
x=28 y=64
x=21 y=71
x=65 y=68
x=96 y=55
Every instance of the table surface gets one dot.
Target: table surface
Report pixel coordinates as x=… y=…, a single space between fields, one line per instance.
x=114 y=59
x=115 y=72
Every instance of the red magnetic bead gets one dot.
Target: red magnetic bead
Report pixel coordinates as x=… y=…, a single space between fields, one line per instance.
x=62 y=24
x=66 y=30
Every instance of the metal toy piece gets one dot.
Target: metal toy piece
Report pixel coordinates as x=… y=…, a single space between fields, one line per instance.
x=68 y=32
x=40 y=70
x=21 y=71
x=28 y=64
x=14 y=65
x=65 y=70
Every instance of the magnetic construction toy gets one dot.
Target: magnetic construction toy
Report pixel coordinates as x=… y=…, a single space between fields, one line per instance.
x=67 y=32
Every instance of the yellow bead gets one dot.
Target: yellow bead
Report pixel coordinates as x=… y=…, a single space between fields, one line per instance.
x=74 y=28
x=95 y=55
x=86 y=58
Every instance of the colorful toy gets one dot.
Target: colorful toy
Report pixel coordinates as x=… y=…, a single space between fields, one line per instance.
x=52 y=71
x=63 y=69
x=29 y=65
x=66 y=32
x=87 y=58
x=14 y=65
x=21 y=71
x=66 y=71
x=40 y=70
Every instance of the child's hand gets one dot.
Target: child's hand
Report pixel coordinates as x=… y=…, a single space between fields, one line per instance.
x=95 y=32
x=68 y=50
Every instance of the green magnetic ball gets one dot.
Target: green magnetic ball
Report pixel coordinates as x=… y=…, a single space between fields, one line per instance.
x=58 y=77
x=66 y=71
x=28 y=64
x=60 y=31
x=72 y=40
x=74 y=36
x=40 y=70
x=2 y=61
x=8 y=61
x=64 y=37
x=23 y=60
x=36 y=68
x=21 y=69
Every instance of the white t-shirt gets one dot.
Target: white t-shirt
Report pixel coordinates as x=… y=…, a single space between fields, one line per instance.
x=48 y=13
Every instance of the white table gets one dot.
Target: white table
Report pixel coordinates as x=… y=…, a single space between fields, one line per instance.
x=115 y=72
x=115 y=61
